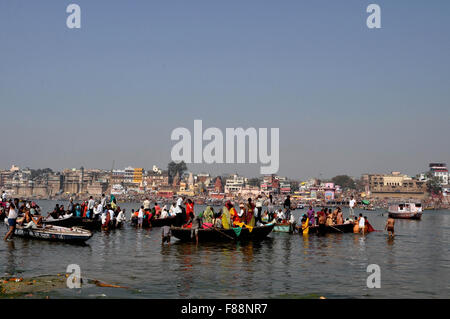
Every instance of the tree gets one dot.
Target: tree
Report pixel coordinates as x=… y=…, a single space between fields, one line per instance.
x=174 y=168
x=434 y=185
x=345 y=181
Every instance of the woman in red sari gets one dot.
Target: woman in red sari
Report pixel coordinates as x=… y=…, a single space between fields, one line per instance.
x=189 y=209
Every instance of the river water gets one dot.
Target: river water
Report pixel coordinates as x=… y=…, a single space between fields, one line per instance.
x=416 y=264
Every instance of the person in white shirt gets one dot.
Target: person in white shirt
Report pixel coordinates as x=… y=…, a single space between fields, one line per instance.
x=141 y=217
x=104 y=215
x=292 y=219
x=280 y=215
x=259 y=208
x=120 y=218
x=180 y=201
x=111 y=214
x=98 y=209
x=351 y=205
x=4 y=196
x=164 y=212
x=12 y=217
x=146 y=204
x=362 y=223
x=172 y=210
x=91 y=204
x=103 y=200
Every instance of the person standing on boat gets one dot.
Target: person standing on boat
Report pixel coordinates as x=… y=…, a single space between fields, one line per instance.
x=103 y=200
x=339 y=217
x=322 y=218
x=271 y=207
x=351 y=206
x=91 y=204
x=189 y=209
x=250 y=218
x=259 y=207
x=146 y=205
x=71 y=207
x=12 y=217
x=287 y=206
x=310 y=214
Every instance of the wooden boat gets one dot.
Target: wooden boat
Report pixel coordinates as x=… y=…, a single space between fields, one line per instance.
x=344 y=228
x=54 y=233
x=72 y=221
x=284 y=228
x=66 y=221
x=220 y=235
x=406 y=211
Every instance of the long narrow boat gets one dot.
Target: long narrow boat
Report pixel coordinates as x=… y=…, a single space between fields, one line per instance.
x=220 y=235
x=54 y=233
x=72 y=221
x=344 y=228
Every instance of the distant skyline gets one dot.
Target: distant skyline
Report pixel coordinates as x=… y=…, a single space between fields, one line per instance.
x=347 y=99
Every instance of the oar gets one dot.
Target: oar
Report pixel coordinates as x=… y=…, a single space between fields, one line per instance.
x=335 y=228
x=223 y=233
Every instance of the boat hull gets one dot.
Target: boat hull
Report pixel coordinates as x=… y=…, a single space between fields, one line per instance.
x=416 y=216
x=344 y=228
x=59 y=234
x=86 y=223
x=221 y=235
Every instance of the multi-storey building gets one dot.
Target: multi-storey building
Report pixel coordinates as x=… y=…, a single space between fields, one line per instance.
x=440 y=171
x=394 y=185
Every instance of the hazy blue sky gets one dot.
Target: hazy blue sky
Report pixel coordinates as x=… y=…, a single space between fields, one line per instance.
x=347 y=99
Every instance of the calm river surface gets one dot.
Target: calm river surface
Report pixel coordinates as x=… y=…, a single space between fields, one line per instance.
x=416 y=264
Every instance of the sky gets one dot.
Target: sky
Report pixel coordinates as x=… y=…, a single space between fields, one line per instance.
x=347 y=99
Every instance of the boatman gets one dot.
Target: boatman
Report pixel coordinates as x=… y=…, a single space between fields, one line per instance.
x=390 y=226
x=351 y=205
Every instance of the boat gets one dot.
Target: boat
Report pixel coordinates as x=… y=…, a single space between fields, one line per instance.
x=300 y=206
x=54 y=233
x=284 y=228
x=72 y=221
x=220 y=235
x=406 y=211
x=343 y=228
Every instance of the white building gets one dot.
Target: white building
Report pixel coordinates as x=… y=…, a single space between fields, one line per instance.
x=440 y=171
x=235 y=184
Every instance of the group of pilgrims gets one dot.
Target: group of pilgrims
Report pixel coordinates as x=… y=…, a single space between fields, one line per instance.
x=108 y=213
x=328 y=217
x=247 y=214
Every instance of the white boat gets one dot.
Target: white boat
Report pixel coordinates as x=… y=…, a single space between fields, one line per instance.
x=54 y=233
x=405 y=210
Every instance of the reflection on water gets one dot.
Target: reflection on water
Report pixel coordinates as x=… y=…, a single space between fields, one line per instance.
x=413 y=264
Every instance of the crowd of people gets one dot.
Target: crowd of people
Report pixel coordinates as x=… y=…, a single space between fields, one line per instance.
x=245 y=214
